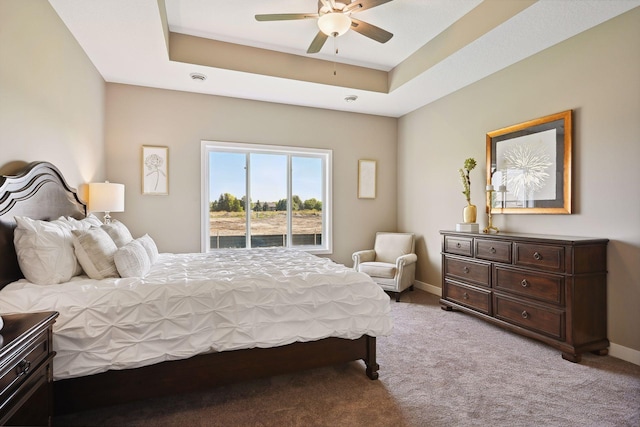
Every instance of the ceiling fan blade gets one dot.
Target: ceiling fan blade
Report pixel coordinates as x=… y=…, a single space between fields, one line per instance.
x=371 y=31
x=317 y=42
x=357 y=6
x=286 y=16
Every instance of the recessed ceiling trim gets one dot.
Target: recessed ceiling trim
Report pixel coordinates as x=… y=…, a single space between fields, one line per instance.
x=229 y=56
x=478 y=22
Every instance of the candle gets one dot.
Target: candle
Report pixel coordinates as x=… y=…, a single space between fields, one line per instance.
x=502 y=188
x=489 y=187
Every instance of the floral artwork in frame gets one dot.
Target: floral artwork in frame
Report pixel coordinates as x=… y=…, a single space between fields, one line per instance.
x=155 y=170
x=529 y=165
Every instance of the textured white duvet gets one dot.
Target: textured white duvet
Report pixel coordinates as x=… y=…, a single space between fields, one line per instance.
x=195 y=303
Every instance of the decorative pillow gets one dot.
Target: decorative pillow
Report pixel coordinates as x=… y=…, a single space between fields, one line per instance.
x=82 y=224
x=118 y=232
x=132 y=260
x=45 y=251
x=95 y=250
x=150 y=247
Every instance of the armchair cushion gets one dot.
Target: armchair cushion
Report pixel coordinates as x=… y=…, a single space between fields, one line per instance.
x=389 y=246
x=378 y=269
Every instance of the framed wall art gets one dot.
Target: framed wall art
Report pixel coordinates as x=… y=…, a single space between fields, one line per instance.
x=366 y=179
x=529 y=166
x=155 y=170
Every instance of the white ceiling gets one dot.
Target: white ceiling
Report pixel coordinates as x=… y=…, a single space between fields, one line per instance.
x=125 y=41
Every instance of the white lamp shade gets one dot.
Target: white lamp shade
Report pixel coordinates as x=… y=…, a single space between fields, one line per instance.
x=334 y=23
x=106 y=197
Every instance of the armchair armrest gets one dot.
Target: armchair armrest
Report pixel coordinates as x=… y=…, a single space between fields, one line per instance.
x=363 y=256
x=406 y=260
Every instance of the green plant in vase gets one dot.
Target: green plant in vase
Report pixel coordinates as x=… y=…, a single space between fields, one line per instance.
x=469 y=213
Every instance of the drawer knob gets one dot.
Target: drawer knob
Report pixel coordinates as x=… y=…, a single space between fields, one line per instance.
x=492 y=250
x=23 y=367
x=525 y=315
x=537 y=256
x=465 y=295
x=524 y=283
x=466 y=269
x=458 y=245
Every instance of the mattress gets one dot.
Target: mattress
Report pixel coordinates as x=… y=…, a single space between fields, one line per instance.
x=196 y=303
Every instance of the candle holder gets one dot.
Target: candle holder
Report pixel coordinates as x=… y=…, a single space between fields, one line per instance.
x=490 y=225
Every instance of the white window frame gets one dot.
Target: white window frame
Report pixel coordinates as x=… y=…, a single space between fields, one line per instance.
x=246 y=148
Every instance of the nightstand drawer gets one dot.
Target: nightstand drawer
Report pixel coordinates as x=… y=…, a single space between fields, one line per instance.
x=468 y=271
x=475 y=298
x=458 y=245
x=36 y=392
x=15 y=370
x=535 y=318
x=493 y=250
x=545 y=287
x=542 y=257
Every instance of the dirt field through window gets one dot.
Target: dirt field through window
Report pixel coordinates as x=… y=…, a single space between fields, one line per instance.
x=264 y=223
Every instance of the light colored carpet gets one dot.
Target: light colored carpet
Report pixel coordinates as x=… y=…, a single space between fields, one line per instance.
x=438 y=368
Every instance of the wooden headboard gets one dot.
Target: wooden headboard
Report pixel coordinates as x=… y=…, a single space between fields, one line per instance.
x=38 y=191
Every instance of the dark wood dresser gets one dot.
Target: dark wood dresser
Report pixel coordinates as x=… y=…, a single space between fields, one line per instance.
x=550 y=288
x=26 y=370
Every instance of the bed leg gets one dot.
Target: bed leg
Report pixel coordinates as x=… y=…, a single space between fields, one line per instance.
x=370 y=361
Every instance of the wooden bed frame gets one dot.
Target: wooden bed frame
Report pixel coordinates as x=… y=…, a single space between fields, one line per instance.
x=39 y=191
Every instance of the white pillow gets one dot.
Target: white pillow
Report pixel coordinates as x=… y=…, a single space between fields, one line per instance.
x=150 y=247
x=82 y=224
x=132 y=260
x=95 y=250
x=118 y=232
x=45 y=251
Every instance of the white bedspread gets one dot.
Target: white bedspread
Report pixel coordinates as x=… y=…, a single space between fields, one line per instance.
x=195 y=303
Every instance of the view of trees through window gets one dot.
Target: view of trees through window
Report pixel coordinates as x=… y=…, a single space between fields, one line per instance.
x=284 y=206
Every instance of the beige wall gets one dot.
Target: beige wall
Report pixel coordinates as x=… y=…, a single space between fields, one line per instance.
x=597 y=74
x=139 y=116
x=51 y=95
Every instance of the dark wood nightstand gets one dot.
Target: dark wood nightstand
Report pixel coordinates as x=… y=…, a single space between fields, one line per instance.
x=26 y=369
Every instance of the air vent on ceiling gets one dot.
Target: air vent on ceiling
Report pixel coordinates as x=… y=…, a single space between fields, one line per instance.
x=198 y=77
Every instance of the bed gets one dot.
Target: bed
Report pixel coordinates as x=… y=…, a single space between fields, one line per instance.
x=222 y=317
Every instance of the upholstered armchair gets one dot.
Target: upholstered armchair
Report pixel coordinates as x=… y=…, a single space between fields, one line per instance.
x=391 y=263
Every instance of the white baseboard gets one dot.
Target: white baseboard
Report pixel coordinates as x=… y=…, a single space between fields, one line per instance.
x=615 y=350
x=436 y=290
x=624 y=353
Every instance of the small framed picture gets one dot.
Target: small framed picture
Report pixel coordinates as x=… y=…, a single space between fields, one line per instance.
x=155 y=170
x=366 y=179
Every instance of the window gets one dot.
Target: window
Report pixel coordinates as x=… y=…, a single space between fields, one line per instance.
x=265 y=196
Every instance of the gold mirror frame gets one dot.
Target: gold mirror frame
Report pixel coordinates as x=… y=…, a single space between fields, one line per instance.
x=532 y=163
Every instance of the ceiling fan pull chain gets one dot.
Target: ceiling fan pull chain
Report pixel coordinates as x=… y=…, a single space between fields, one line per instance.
x=335 y=49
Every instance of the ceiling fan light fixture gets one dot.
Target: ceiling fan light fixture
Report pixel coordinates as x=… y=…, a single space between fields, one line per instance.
x=334 y=23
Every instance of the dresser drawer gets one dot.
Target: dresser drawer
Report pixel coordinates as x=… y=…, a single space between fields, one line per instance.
x=475 y=298
x=493 y=250
x=458 y=245
x=468 y=271
x=541 y=286
x=16 y=369
x=542 y=257
x=535 y=318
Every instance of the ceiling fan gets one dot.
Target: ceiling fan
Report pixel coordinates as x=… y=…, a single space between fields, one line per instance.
x=334 y=19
